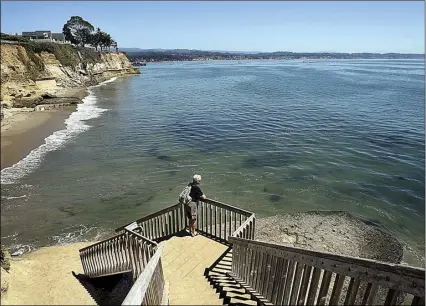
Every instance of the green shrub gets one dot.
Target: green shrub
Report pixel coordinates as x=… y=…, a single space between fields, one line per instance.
x=14 y=38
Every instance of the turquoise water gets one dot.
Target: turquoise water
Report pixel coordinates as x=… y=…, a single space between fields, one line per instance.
x=269 y=136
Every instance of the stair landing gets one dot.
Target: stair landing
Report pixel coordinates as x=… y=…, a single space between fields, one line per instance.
x=184 y=262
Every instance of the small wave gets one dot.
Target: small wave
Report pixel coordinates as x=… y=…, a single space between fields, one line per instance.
x=79 y=233
x=20 y=249
x=11 y=198
x=74 y=126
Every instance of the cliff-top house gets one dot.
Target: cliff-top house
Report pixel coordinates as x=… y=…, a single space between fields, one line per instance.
x=45 y=36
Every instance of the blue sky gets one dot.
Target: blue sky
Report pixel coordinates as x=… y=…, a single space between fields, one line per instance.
x=301 y=26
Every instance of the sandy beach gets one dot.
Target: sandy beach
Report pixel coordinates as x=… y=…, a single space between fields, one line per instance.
x=44 y=277
x=23 y=130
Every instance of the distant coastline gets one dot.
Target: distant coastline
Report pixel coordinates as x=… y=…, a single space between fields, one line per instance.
x=142 y=56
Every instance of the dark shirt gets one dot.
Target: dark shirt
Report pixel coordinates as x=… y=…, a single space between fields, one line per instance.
x=195 y=193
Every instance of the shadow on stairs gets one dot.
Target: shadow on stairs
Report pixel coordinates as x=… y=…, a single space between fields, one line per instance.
x=107 y=290
x=229 y=290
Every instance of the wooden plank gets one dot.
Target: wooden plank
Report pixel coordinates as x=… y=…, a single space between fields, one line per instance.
x=242 y=262
x=304 y=285
x=352 y=290
x=272 y=276
x=211 y=219
x=265 y=278
x=282 y=281
x=247 y=264
x=234 y=259
x=225 y=215
x=215 y=221
x=253 y=268
x=253 y=227
x=230 y=222
x=241 y=219
x=108 y=255
x=337 y=289
x=314 y=286
x=116 y=254
x=243 y=226
x=220 y=224
x=91 y=255
x=138 y=291
x=155 y=227
x=99 y=254
x=147 y=226
x=389 y=275
x=391 y=297
x=277 y=279
x=289 y=282
x=171 y=231
x=325 y=284
x=260 y=269
x=296 y=283
x=174 y=221
x=203 y=216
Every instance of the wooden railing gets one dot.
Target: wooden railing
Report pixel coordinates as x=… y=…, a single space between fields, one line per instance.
x=163 y=223
x=292 y=276
x=96 y=259
x=149 y=287
x=128 y=251
x=223 y=220
x=214 y=218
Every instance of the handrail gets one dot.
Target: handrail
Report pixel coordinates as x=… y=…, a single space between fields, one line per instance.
x=148 y=282
x=101 y=242
x=229 y=207
x=218 y=219
x=264 y=266
x=142 y=237
x=244 y=226
x=109 y=256
x=150 y=216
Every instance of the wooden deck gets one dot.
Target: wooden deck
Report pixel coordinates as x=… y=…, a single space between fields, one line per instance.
x=184 y=262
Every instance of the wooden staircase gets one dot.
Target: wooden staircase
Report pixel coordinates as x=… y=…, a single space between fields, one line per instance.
x=224 y=265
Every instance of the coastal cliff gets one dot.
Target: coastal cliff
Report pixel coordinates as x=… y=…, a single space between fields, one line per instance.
x=33 y=72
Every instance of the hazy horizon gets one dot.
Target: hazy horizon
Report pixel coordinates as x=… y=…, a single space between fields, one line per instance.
x=254 y=52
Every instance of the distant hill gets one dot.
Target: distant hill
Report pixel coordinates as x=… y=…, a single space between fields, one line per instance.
x=160 y=55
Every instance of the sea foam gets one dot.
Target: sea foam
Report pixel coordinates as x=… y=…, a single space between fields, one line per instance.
x=75 y=125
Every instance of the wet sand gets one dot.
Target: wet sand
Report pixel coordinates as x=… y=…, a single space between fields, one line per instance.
x=25 y=131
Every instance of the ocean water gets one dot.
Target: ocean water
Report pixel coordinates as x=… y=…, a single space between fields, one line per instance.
x=269 y=136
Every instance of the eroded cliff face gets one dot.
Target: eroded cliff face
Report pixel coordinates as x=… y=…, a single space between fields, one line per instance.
x=31 y=74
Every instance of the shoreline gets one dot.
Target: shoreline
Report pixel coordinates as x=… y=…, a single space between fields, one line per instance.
x=25 y=129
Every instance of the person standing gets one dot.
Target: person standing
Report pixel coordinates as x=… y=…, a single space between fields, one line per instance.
x=191 y=208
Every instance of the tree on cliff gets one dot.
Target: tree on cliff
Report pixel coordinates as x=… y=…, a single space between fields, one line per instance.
x=96 y=38
x=78 y=31
x=102 y=39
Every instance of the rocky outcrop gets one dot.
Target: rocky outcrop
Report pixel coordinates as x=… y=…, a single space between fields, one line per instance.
x=336 y=232
x=32 y=72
